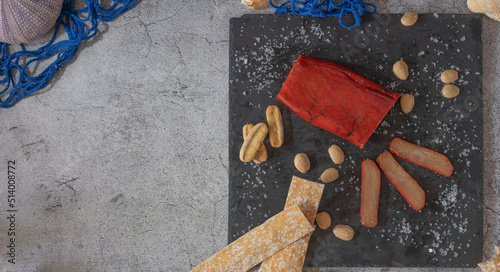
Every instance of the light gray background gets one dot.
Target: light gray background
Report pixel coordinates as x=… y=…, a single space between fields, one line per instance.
x=122 y=161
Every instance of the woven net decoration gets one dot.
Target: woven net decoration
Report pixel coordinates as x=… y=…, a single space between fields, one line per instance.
x=327 y=8
x=16 y=76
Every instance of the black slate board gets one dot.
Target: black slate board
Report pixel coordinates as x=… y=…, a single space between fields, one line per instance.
x=448 y=231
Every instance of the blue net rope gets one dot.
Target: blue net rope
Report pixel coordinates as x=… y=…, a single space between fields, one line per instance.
x=79 y=24
x=327 y=8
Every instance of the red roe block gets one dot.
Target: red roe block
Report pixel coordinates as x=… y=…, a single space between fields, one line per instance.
x=336 y=99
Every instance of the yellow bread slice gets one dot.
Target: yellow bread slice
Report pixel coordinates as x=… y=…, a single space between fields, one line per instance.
x=307 y=195
x=260 y=243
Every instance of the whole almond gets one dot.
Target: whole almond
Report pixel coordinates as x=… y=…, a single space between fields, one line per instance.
x=343 y=232
x=409 y=18
x=336 y=154
x=400 y=69
x=323 y=220
x=448 y=76
x=302 y=162
x=329 y=175
x=407 y=102
x=450 y=91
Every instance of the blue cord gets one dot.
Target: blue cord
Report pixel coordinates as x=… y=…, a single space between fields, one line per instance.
x=14 y=67
x=327 y=8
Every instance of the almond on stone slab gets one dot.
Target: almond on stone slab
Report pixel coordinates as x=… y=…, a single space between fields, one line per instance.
x=302 y=162
x=343 y=232
x=400 y=69
x=323 y=220
x=407 y=102
x=329 y=175
x=450 y=91
x=336 y=154
x=449 y=76
x=409 y=18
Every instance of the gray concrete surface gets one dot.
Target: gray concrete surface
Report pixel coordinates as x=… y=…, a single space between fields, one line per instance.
x=121 y=164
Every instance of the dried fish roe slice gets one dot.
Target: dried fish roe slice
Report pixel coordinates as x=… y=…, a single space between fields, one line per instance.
x=422 y=156
x=370 y=193
x=403 y=182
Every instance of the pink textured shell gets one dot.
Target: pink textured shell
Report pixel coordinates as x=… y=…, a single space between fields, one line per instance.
x=26 y=20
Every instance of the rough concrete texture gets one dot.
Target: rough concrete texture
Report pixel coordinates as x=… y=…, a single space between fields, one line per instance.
x=121 y=164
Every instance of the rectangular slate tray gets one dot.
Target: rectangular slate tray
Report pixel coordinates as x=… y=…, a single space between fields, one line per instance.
x=448 y=231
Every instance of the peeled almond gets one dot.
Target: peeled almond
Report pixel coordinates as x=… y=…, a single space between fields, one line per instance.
x=450 y=91
x=407 y=102
x=343 y=232
x=323 y=220
x=329 y=175
x=409 y=18
x=449 y=76
x=400 y=69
